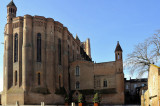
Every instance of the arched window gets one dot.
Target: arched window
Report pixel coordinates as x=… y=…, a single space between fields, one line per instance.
x=38 y=47
x=16 y=78
x=59 y=81
x=16 y=48
x=59 y=51
x=118 y=56
x=73 y=54
x=77 y=85
x=11 y=10
x=105 y=83
x=77 y=71
x=39 y=79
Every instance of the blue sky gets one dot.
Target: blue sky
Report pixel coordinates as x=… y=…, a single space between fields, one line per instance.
x=103 y=21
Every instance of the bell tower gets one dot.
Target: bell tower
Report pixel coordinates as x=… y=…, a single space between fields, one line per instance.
x=119 y=71
x=11 y=11
x=118 y=52
x=8 y=52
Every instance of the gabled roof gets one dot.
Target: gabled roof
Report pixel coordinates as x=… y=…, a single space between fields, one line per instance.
x=118 y=47
x=11 y=4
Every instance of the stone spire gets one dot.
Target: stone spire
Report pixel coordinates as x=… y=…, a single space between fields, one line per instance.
x=77 y=37
x=11 y=4
x=118 y=47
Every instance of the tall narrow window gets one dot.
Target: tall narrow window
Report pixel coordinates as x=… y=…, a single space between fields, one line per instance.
x=118 y=56
x=77 y=85
x=59 y=51
x=73 y=55
x=98 y=83
x=105 y=83
x=77 y=70
x=16 y=77
x=59 y=81
x=38 y=47
x=68 y=53
x=39 y=79
x=16 y=48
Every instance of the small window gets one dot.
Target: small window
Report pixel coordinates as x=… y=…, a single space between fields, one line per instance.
x=77 y=71
x=59 y=81
x=77 y=85
x=126 y=86
x=16 y=78
x=39 y=79
x=105 y=83
x=135 y=85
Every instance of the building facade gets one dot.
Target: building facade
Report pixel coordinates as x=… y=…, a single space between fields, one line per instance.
x=41 y=57
x=151 y=96
x=133 y=90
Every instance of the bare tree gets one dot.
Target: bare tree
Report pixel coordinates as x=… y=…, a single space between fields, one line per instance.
x=155 y=42
x=139 y=60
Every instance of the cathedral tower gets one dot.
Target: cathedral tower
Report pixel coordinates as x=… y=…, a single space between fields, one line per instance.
x=11 y=11
x=119 y=71
x=8 y=52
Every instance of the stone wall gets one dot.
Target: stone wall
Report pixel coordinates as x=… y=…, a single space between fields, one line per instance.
x=152 y=95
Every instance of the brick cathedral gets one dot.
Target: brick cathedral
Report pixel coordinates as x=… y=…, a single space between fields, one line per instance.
x=42 y=58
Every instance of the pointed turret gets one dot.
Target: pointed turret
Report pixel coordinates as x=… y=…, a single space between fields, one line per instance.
x=118 y=52
x=76 y=37
x=118 y=47
x=11 y=11
x=11 y=4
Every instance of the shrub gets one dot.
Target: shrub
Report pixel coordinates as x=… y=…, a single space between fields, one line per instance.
x=80 y=98
x=96 y=98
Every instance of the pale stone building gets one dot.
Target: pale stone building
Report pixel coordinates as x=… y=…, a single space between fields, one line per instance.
x=41 y=57
x=151 y=97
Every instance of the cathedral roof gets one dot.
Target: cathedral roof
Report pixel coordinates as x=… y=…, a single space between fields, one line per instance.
x=11 y=4
x=118 y=47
